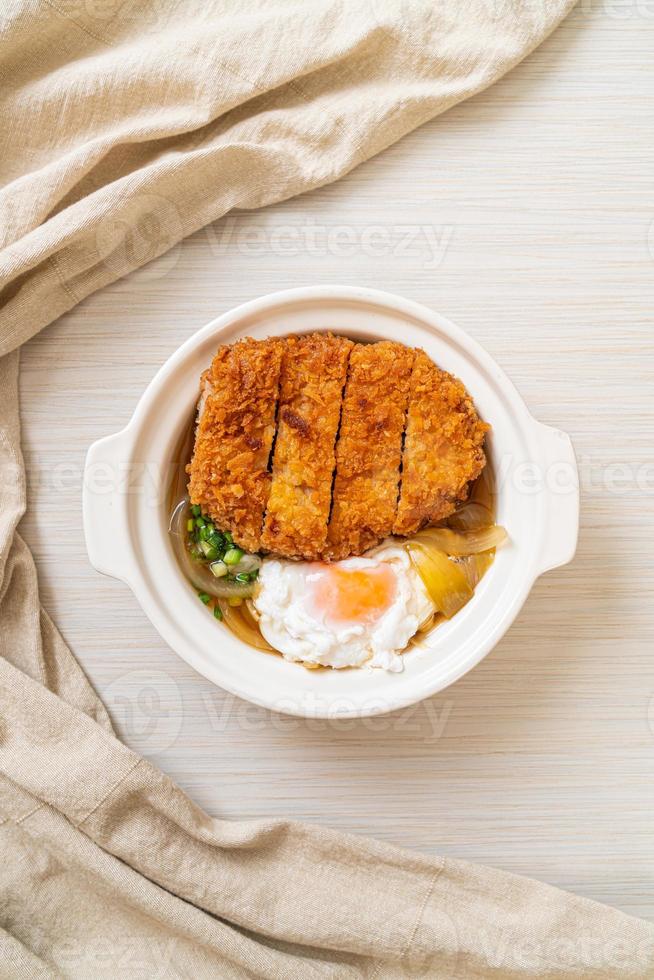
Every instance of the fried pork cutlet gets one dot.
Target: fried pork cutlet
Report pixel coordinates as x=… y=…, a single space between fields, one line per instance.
x=314 y=370
x=443 y=448
x=229 y=476
x=369 y=449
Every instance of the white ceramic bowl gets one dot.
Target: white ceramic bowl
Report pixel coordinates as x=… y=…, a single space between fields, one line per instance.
x=126 y=510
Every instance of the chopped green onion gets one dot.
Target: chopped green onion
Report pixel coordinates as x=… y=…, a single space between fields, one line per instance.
x=243 y=577
x=196 y=510
x=233 y=556
x=200 y=522
x=228 y=538
x=190 y=524
x=210 y=553
x=203 y=597
x=218 y=568
x=217 y=612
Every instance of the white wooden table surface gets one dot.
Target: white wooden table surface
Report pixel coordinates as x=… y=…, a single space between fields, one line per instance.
x=525 y=215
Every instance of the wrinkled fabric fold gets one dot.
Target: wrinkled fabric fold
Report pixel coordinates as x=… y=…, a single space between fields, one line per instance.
x=127 y=127
x=131 y=841
x=158 y=131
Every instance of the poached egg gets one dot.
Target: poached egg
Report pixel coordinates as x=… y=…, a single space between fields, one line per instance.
x=345 y=614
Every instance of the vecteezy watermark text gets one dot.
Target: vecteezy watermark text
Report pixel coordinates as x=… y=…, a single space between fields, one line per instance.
x=150 y=480
x=427 y=720
x=424 y=243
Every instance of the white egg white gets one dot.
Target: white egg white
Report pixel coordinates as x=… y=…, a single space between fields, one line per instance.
x=293 y=626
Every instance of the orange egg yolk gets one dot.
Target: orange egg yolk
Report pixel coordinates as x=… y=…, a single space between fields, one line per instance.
x=355 y=595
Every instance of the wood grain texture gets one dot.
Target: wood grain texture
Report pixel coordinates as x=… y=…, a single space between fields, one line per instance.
x=524 y=215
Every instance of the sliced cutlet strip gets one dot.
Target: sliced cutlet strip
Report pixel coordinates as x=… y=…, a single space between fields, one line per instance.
x=369 y=448
x=443 y=448
x=314 y=369
x=229 y=476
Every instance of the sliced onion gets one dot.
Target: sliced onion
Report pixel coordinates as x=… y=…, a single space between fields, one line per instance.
x=252 y=609
x=445 y=581
x=471 y=517
x=426 y=627
x=475 y=566
x=179 y=517
x=198 y=573
x=247 y=564
x=462 y=542
x=233 y=618
x=428 y=622
x=248 y=615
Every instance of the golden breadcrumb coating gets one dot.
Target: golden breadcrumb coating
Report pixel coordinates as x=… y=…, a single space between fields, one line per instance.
x=229 y=476
x=369 y=449
x=443 y=448
x=314 y=370
x=341 y=452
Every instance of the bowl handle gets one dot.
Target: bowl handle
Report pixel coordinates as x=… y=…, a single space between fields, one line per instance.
x=104 y=506
x=561 y=481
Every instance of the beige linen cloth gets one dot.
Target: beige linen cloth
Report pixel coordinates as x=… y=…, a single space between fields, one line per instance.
x=126 y=125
